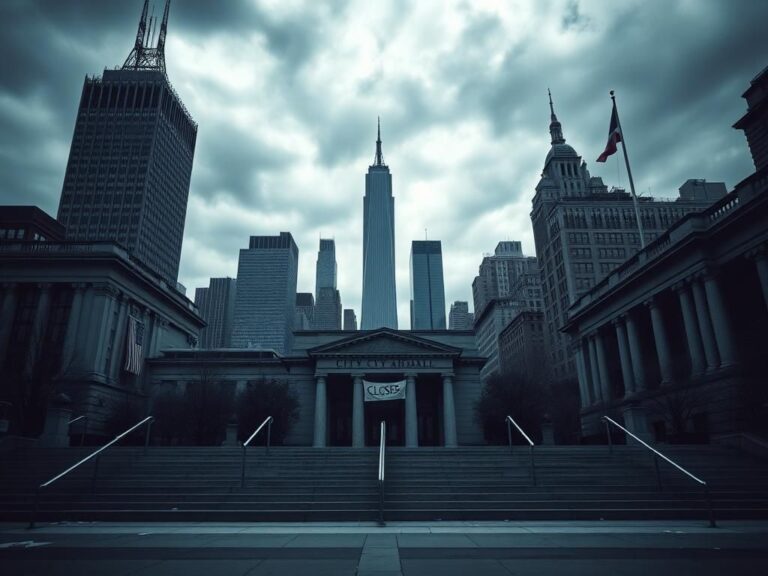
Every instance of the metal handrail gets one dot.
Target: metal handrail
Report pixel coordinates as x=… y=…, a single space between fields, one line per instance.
x=656 y=456
x=382 y=467
x=95 y=454
x=268 y=423
x=510 y=421
x=85 y=426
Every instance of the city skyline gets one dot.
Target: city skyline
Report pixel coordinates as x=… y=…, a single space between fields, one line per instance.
x=453 y=172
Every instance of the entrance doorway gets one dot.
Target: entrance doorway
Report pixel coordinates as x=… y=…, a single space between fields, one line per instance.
x=393 y=413
x=339 y=411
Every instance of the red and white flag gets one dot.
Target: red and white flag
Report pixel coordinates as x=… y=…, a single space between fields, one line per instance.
x=133 y=346
x=614 y=136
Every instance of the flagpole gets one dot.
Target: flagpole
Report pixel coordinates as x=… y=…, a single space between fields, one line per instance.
x=629 y=173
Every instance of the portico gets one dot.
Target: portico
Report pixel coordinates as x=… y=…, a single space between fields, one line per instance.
x=372 y=366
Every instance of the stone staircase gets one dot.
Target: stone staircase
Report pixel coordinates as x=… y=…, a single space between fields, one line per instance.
x=334 y=484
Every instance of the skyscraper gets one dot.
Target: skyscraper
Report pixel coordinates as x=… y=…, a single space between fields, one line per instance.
x=130 y=162
x=583 y=231
x=304 y=316
x=328 y=301
x=460 y=318
x=427 y=289
x=217 y=307
x=379 y=307
x=350 y=319
x=266 y=293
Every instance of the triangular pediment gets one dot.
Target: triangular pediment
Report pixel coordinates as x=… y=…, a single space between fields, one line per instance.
x=384 y=342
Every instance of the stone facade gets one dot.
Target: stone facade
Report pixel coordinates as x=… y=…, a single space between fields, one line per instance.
x=327 y=371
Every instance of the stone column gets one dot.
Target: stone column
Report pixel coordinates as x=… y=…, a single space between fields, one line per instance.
x=73 y=327
x=6 y=319
x=320 y=412
x=726 y=344
x=581 y=371
x=624 y=357
x=693 y=336
x=449 y=412
x=358 y=413
x=411 y=418
x=661 y=340
x=761 y=263
x=118 y=343
x=106 y=332
x=602 y=363
x=705 y=325
x=39 y=326
x=596 y=386
x=636 y=354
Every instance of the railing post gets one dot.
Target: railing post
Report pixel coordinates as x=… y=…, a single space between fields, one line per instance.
x=610 y=438
x=242 y=468
x=95 y=473
x=82 y=432
x=533 y=468
x=712 y=523
x=658 y=472
x=509 y=434
x=269 y=434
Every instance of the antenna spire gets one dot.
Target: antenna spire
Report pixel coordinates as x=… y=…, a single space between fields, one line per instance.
x=555 y=128
x=379 y=159
x=144 y=56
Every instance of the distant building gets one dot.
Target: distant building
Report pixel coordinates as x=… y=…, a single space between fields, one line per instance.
x=427 y=289
x=583 y=232
x=498 y=273
x=327 y=309
x=327 y=315
x=266 y=293
x=379 y=307
x=350 y=319
x=305 y=311
x=130 y=162
x=460 y=318
x=29 y=223
x=521 y=344
x=217 y=307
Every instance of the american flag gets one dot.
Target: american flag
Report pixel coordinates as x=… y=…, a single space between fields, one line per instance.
x=133 y=346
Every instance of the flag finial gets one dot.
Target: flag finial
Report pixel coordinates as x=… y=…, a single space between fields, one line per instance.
x=555 y=128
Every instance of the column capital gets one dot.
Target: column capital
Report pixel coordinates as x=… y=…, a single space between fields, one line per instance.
x=619 y=320
x=680 y=286
x=44 y=285
x=79 y=286
x=445 y=375
x=652 y=302
x=9 y=285
x=410 y=375
x=321 y=375
x=758 y=253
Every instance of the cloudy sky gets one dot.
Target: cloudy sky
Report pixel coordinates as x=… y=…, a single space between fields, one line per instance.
x=286 y=95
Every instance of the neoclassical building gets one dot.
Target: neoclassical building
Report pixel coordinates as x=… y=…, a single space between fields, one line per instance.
x=682 y=325
x=66 y=311
x=333 y=372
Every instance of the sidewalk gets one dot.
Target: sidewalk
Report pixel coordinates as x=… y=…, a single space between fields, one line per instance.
x=365 y=549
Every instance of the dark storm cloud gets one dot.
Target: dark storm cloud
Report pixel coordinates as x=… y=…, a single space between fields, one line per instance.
x=287 y=94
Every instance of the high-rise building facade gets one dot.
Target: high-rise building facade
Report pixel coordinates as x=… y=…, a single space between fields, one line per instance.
x=327 y=298
x=266 y=293
x=325 y=272
x=305 y=311
x=129 y=167
x=379 y=308
x=582 y=231
x=216 y=305
x=499 y=272
x=460 y=318
x=427 y=288
x=507 y=284
x=350 y=319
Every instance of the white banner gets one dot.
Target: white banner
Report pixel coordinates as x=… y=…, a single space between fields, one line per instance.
x=375 y=391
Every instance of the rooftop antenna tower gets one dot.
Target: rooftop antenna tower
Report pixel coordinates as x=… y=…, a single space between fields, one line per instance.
x=145 y=56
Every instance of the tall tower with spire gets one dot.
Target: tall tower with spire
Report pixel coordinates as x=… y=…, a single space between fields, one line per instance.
x=130 y=163
x=379 y=308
